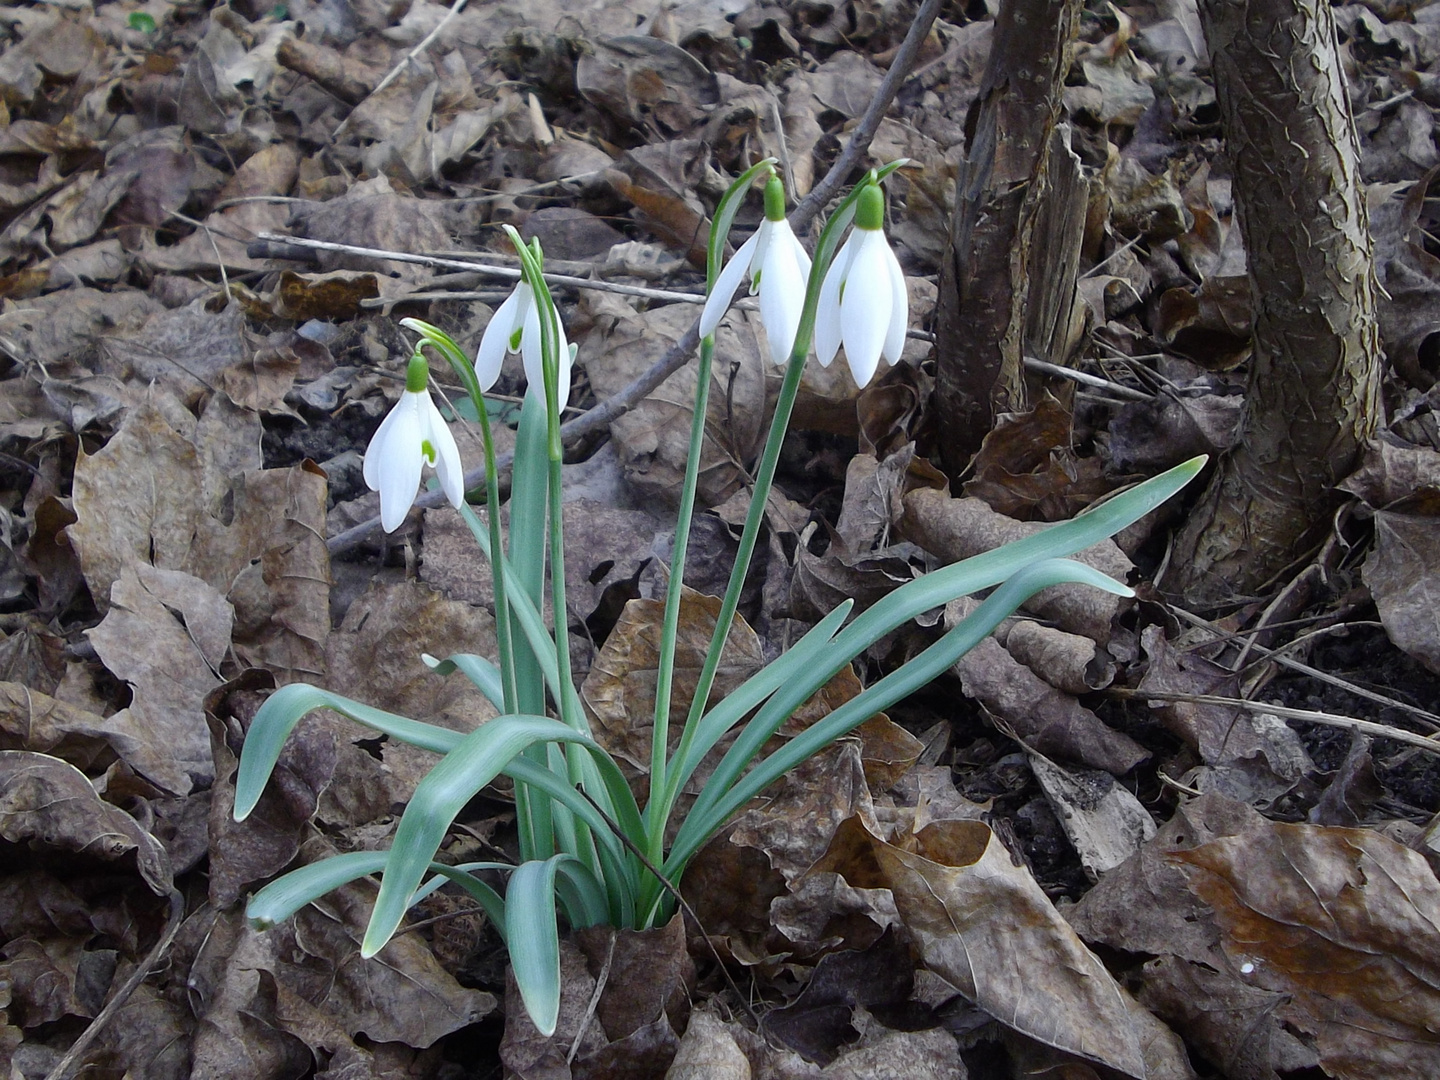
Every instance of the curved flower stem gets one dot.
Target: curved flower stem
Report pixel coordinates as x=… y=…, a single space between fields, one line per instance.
x=447 y=347
x=825 y=249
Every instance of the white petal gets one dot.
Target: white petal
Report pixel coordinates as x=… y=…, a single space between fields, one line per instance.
x=782 y=296
x=563 y=385
x=496 y=341
x=376 y=450
x=827 y=312
x=530 y=351
x=399 y=464
x=865 y=309
x=899 y=310
x=725 y=285
x=448 y=468
x=802 y=257
x=763 y=235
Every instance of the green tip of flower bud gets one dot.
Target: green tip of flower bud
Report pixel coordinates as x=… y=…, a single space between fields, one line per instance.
x=417 y=375
x=870 y=210
x=774 y=199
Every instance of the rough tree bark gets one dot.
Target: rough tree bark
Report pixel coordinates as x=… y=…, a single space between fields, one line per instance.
x=1007 y=286
x=1314 y=381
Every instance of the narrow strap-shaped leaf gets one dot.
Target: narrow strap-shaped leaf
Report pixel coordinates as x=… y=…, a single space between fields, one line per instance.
x=794 y=663
x=485 y=675
x=726 y=792
x=583 y=895
x=283 y=709
x=286 y=895
x=442 y=793
x=619 y=870
x=534 y=939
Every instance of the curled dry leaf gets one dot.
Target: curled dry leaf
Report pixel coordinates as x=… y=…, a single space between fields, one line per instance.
x=708 y=1052
x=1047 y=719
x=48 y=803
x=1026 y=470
x=1067 y=662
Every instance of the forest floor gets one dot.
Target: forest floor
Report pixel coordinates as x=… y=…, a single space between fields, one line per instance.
x=1118 y=839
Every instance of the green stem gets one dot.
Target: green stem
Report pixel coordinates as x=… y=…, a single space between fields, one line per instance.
x=656 y=809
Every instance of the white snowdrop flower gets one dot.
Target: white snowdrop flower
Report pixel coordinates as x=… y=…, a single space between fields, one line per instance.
x=412 y=436
x=863 y=301
x=778 y=269
x=515 y=327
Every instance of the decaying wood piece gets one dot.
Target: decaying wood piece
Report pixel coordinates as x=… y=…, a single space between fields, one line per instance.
x=1314 y=383
x=1007 y=287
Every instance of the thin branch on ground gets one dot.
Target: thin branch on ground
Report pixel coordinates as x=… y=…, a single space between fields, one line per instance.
x=1335 y=720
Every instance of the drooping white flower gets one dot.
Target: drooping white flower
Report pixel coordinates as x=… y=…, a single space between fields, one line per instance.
x=412 y=436
x=778 y=268
x=515 y=327
x=863 y=301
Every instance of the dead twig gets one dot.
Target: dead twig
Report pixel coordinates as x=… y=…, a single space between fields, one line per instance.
x=425 y=42
x=66 y=1065
x=1429 y=719
x=1348 y=723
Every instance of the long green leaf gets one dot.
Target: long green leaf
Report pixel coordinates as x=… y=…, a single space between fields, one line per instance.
x=443 y=793
x=284 y=709
x=485 y=675
x=726 y=792
x=286 y=895
x=534 y=939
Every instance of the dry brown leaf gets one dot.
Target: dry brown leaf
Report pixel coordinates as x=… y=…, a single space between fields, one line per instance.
x=372 y=215
x=620 y=689
x=645 y=81
x=30 y=720
x=708 y=1052
x=1104 y=822
x=165 y=634
x=1047 y=719
x=651 y=974
x=1026 y=470
x=1067 y=662
x=1253 y=756
x=1346 y=922
x=267 y=841
x=985 y=926
x=654 y=436
x=659 y=180
x=46 y=803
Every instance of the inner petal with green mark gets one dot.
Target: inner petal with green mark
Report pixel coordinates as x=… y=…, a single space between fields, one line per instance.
x=428 y=449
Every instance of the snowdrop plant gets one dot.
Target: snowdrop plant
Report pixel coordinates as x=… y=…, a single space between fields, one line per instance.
x=587 y=846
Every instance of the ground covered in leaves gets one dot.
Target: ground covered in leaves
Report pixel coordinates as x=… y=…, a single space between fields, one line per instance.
x=1119 y=839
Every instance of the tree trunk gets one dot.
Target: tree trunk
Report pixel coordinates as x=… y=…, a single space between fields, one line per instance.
x=1314 y=394
x=1007 y=286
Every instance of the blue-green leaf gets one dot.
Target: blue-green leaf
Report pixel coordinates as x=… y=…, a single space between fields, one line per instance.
x=284 y=709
